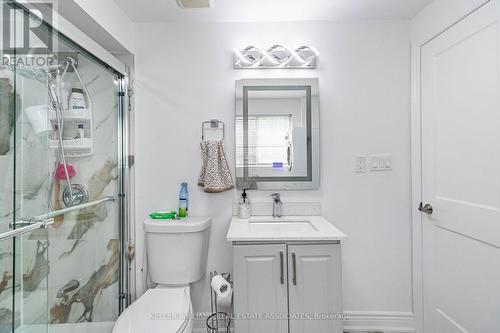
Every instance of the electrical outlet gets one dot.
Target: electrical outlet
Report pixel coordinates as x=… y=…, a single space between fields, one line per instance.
x=360 y=164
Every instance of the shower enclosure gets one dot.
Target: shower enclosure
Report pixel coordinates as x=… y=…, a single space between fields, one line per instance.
x=63 y=207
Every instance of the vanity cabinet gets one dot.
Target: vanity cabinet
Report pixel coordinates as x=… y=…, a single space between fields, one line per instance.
x=287 y=287
x=260 y=287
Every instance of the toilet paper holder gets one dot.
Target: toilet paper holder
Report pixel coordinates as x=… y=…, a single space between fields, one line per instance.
x=218 y=319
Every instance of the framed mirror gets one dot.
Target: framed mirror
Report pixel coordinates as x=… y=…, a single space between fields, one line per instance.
x=277 y=134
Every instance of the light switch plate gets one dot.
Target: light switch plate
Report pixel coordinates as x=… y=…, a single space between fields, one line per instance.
x=380 y=163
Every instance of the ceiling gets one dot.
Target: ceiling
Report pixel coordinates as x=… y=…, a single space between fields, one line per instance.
x=273 y=10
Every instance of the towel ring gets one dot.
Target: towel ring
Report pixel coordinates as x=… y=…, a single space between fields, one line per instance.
x=214 y=123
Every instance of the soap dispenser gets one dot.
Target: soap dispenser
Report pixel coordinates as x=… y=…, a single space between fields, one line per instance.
x=244 y=209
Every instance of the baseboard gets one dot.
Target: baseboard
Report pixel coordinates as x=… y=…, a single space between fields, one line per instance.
x=376 y=321
x=367 y=322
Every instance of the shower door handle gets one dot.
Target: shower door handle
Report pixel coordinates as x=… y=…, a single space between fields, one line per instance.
x=27 y=222
x=35 y=225
x=25 y=226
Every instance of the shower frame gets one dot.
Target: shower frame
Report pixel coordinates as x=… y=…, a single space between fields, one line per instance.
x=126 y=279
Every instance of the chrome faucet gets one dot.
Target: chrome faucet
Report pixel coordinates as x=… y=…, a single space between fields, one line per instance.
x=276 y=204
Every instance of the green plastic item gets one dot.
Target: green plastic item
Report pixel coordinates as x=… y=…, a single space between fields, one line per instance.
x=163 y=215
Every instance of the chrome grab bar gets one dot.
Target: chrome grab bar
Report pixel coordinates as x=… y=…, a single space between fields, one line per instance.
x=25 y=226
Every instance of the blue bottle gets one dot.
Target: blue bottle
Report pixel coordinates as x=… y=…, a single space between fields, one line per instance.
x=183 y=200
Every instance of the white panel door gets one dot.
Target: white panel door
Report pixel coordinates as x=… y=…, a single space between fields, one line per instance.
x=260 y=288
x=461 y=176
x=315 y=288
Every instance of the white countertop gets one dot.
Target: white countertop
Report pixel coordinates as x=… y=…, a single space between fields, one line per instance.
x=286 y=228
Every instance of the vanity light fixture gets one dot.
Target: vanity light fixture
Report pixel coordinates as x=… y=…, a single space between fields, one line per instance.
x=196 y=3
x=277 y=56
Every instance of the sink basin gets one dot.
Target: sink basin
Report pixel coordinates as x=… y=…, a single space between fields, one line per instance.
x=287 y=228
x=282 y=225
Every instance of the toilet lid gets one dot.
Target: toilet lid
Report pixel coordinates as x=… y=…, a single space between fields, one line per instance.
x=165 y=310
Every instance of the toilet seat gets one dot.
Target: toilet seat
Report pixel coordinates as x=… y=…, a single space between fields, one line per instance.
x=162 y=309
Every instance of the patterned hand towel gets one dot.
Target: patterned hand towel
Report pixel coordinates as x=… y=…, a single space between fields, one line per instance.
x=215 y=175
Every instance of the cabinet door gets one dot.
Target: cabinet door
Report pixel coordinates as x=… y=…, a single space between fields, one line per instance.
x=315 y=288
x=260 y=288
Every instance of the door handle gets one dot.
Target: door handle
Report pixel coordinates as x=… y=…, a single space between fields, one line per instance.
x=26 y=228
x=427 y=208
x=282 y=279
x=31 y=221
x=294 y=265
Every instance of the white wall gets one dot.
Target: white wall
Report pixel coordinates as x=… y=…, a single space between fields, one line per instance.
x=185 y=76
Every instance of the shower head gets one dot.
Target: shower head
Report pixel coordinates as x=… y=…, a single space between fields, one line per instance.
x=39 y=73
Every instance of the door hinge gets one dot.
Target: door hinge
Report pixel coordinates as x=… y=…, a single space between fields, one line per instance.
x=121 y=93
x=130 y=160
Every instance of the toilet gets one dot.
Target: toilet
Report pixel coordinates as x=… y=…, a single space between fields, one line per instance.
x=176 y=256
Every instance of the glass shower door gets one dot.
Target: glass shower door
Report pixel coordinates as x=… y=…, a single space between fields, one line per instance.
x=60 y=173
x=24 y=170
x=7 y=317
x=31 y=198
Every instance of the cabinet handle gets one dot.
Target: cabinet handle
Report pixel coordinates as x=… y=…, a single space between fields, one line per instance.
x=282 y=279
x=294 y=265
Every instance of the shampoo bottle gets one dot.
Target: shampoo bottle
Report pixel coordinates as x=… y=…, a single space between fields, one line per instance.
x=77 y=100
x=183 y=200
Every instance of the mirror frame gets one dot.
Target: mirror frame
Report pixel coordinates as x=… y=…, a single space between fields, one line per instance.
x=311 y=88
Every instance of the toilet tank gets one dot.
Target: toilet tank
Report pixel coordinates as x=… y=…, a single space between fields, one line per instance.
x=177 y=249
